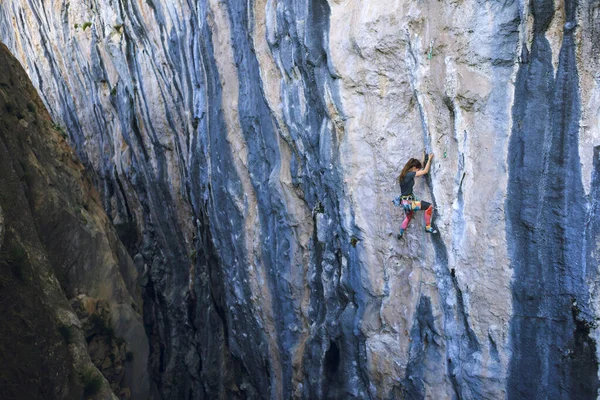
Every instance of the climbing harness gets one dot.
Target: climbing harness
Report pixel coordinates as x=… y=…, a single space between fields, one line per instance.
x=410 y=205
x=401 y=201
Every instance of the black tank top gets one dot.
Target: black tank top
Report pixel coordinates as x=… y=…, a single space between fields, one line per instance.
x=406 y=186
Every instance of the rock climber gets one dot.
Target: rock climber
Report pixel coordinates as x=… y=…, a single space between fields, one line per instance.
x=409 y=202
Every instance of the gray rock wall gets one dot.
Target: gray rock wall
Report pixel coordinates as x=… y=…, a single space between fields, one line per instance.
x=553 y=354
x=247 y=153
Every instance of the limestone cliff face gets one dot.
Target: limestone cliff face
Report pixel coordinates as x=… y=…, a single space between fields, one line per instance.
x=59 y=253
x=247 y=153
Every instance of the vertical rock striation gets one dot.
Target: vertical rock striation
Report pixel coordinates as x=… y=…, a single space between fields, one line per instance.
x=247 y=152
x=553 y=354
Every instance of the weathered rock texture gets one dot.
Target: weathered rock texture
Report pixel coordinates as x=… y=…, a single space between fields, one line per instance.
x=554 y=355
x=57 y=243
x=247 y=153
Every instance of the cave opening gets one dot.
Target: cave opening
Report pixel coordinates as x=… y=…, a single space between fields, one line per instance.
x=332 y=360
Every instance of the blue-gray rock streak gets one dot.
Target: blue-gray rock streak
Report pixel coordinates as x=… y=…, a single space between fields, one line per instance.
x=553 y=354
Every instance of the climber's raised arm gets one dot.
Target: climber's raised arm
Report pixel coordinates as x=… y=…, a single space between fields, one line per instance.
x=409 y=202
x=425 y=170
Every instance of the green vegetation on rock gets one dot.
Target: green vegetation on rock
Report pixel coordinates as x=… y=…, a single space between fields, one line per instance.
x=16 y=257
x=65 y=332
x=92 y=382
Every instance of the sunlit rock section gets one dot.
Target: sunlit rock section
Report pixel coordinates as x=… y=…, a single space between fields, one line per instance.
x=247 y=153
x=58 y=249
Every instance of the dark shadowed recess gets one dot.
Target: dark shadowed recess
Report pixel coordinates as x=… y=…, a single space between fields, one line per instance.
x=425 y=350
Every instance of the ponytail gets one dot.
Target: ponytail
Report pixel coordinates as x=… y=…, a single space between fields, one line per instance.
x=413 y=162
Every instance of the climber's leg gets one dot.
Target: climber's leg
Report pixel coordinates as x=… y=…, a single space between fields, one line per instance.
x=428 y=208
x=428 y=216
x=405 y=223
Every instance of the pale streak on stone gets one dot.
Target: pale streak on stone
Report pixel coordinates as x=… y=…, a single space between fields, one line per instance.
x=554 y=34
x=590 y=128
x=590 y=100
x=258 y=277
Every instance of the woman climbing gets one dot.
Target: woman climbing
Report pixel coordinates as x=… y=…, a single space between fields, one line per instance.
x=408 y=200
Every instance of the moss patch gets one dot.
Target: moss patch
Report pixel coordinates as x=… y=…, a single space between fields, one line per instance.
x=91 y=381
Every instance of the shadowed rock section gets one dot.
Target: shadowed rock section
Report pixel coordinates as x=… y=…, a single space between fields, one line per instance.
x=425 y=349
x=553 y=354
x=69 y=297
x=593 y=219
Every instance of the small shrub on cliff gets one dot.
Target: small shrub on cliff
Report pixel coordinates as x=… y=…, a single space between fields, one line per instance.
x=100 y=326
x=128 y=233
x=319 y=209
x=92 y=382
x=27 y=177
x=65 y=332
x=16 y=257
x=60 y=130
x=31 y=107
x=9 y=107
x=86 y=25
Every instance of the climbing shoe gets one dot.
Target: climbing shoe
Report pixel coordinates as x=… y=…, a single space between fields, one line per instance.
x=400 y=235
x=431 y=229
